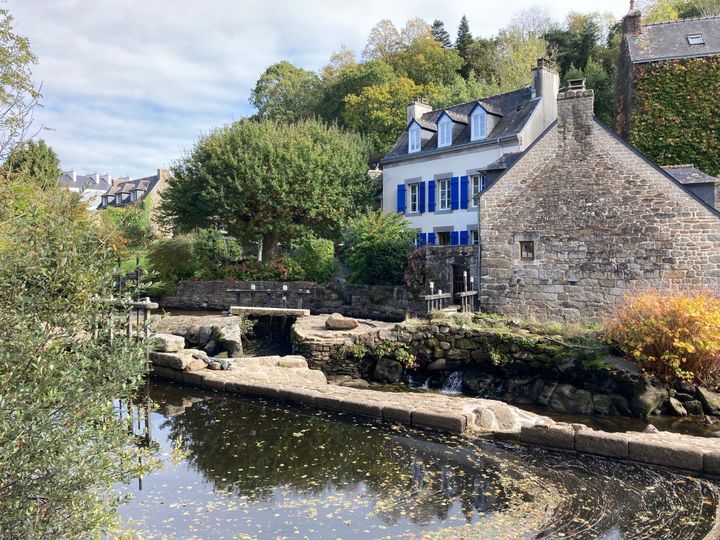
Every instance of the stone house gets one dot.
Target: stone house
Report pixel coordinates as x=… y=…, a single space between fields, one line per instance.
x=582 y=218
x=91 y=187
x=445 y=157
x=667 y=88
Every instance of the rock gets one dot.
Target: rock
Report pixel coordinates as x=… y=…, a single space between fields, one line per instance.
x=651 y=429
x=388 y=370
x=478 y=384
x=215 y=366
x=619 y=406
x=715 y=434
x=199 y=335
x=211 y=348
x=709 y=399
x=338 y=379
x=546 y=393
x=693 y=408
x=676 y=408
x=338 y=322
x=649 y=400
x=182 y=360
x=355 y=383
x=167 y=343
x=601 y=404
x=535 y=389
x=443 y=364
x=682 y=397
x=229 y=338
x=569 y=399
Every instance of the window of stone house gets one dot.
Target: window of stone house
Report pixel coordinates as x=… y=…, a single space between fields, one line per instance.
x=414 y=198
x=696 y=39
x=527 y=251
x=474 y=238
x=444 y=194
x=443 y=238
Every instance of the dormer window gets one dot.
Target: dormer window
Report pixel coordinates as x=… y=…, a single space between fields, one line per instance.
x=696 y=39
x=414 y=139
x=444 y=132
x=478 y=123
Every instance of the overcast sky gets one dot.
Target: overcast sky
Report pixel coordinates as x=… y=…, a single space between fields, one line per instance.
x=129 y=84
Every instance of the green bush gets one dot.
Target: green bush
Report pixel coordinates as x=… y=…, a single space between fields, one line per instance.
x=317 y=258
x=377 y=246
x=171 y=260
x=132 y=222
x=212 y=251
x=280 y=269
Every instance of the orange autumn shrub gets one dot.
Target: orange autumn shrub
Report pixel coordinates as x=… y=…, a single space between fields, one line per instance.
x=672 y=335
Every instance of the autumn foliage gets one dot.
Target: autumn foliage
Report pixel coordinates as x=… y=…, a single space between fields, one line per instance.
x=672 y=335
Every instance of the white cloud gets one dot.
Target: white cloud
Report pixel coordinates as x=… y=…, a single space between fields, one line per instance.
x=129 y=84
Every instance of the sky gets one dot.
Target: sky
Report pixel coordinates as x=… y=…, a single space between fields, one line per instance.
x=129 y=85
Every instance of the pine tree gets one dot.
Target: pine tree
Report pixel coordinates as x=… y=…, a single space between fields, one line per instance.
x=441 y=35
x=464 y=37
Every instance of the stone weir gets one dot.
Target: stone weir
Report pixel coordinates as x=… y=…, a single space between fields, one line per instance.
x=288 y=378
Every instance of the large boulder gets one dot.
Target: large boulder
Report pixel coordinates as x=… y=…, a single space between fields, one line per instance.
x=338 y=322
x=181 y=360
x=648 y=400
x=229 y=338
x=167 y=343
x=709 y=399
x=388 y=370
x=676 y=408
x=568 y=399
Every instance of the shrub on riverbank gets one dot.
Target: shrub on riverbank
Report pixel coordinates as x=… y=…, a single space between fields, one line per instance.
x=672 y=335
x=317 y=258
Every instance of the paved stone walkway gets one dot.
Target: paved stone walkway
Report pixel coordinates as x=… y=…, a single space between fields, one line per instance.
x=288 y=378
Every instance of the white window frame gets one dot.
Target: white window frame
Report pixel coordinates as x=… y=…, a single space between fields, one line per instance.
x=414 y=205
x=443 y=189
x=444 y=132
x=414 y=138
x=476 y=186
x=478 y=124
x=473 y=237
x=696 y=39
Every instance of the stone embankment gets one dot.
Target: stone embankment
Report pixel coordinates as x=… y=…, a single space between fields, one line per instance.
x=288 y=378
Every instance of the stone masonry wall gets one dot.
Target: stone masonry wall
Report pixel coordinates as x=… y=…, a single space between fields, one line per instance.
x=363 y=301
x=604 y=222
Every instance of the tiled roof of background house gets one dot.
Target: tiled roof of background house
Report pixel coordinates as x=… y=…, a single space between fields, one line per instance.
x=687 y=174
x=83 y=181
x=514 y=108
x=670 y=40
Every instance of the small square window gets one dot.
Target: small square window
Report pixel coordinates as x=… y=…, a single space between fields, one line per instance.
x=696 y=39
x=527 y=251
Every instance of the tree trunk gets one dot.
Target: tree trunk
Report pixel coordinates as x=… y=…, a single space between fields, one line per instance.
x=269 y=247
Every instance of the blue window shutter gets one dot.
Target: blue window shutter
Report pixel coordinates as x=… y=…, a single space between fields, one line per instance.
x=484 y=183
x=454 y=193
x=431 y=238
x=454 y=238
x=422 y=239
x=401 y=198
x=464 y=192
x=464 y=238
x=421 y=203
x=431 y=200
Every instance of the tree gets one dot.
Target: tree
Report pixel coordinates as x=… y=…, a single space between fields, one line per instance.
x=269 y=181
x=425 y=61
x=517 y=55
x=378 y=111
x=481 y=58
x=597 y=78
x=34 y=160
x=535 y=20
x=286 y=93
x=462 y=90
x=377 y=245
x=464 y=37
x=440 y=35
x=132 y=222
x=415 y=30
x=18 y=92
x=575 y=43
x=340 y=62
x=671 y=10
x=383 y=41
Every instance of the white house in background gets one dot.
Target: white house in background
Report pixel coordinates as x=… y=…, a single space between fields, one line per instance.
x=445 y=157
x=91 y=186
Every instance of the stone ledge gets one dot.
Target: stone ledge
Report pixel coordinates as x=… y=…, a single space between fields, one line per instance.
x=557 y=436
x=602 y=443
x=362 y=408
x=659 y=453
x=454 y=423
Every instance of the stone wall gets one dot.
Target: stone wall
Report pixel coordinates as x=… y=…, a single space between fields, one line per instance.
x=441 y=262
x=604 y=222
x=364 y=301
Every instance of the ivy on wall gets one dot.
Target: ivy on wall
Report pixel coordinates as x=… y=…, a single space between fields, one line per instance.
x=676 y=117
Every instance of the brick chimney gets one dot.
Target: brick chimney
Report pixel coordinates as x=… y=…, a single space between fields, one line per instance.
x=417 y=108
x=575 y=110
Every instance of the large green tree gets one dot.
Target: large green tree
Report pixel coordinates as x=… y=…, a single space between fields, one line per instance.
x=285 y=92
x=270 y=181
x=671 y=10
x=426 y=61
x=440 y=34
x=34 y=160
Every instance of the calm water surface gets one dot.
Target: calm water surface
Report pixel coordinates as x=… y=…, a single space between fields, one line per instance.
x=246 y=469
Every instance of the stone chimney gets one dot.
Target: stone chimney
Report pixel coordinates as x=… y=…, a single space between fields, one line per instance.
x=417 y=108
x=546 y=85
x=632 y=22
x=575 y=111
x=163 y=174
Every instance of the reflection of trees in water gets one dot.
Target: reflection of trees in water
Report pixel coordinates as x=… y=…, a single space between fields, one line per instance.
x=251 y=450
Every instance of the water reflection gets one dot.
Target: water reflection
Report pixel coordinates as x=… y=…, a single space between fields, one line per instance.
x=267 y=471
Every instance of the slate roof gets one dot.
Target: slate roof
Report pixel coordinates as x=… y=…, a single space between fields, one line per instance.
x=514 y=108
x=503 y=162
x=687 y=174
x=145 y=184
x=83 y=181
x=667 y=41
